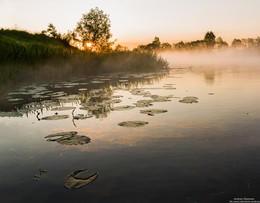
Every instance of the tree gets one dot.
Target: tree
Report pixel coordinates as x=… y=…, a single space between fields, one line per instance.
x=209 y=38
x=236 y=43
x=51 y=31
x=94 y=28
x=156 y=44
x=220 y=43
x=166 y=46
x=180 y=46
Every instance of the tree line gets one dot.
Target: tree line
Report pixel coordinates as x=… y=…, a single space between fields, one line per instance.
x=210 y=41
x=92 y=33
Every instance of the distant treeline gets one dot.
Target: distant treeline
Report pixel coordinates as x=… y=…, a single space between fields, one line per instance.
x=209 y=42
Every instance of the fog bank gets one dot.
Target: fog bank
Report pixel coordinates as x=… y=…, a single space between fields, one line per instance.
x=214 y=58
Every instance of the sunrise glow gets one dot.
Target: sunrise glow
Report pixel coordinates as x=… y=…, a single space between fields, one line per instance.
x=89 y=44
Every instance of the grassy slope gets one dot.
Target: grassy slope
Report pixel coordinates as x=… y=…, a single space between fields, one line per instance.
x=21 y=51
x=25 y=47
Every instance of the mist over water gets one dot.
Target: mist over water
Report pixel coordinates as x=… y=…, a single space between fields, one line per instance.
x=214 y=58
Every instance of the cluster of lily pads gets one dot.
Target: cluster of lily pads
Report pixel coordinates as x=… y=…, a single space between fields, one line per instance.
x=93 y=102
x=72 y=138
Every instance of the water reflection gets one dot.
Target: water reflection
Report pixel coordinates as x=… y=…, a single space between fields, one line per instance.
x=207 y=151
x=97 y=98
x=209 y=76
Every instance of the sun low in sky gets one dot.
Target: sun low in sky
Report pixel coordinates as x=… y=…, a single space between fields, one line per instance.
x=139 y=21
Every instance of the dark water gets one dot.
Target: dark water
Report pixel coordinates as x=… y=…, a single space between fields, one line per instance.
x=200 y=152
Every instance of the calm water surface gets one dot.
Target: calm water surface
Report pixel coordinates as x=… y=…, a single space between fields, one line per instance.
x=200 y=152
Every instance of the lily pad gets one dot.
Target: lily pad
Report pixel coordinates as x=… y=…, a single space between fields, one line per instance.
x=82 y=116
x=55 y=117
x=116 y=101
x=140 y=92
x=144 y=103
x=158 y=98
x=133 y=123
x=91 y=108
x=63 y=108
x=76 y=140
x=189 y=100
x=74 y=182
x=122 y=108
x=151 y=112
x=68 y=138
x=70 y=133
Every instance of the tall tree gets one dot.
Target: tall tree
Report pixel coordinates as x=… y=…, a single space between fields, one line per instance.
x=94 y=28
x=236 y=43
x=51 y=31
x=221 y=43
x=166 y=46
x=209 y=38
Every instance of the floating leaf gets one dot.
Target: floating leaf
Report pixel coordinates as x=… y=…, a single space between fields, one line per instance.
x=55 y=117
x=68 y=138
x=82 y=116
x=151 y=112
x=189 y=100
x=73 y=182
x=133 y=123
x=122 y=108
x=144 y=103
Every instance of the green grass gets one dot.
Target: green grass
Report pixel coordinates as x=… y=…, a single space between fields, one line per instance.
x=21 y=46
x=21 y=51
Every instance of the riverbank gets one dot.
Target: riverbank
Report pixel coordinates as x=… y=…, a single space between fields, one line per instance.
x=21 y=51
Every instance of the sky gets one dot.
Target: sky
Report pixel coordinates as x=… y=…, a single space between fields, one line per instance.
x=136 y=22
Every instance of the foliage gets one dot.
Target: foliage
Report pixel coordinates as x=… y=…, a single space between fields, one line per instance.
x=236 y=43
x=166 y=46
x=209 y=38
x=220 y=43
x=22 y=46
x=51 y=31
x=94 y=27
x=155 y=46
x=20 y=50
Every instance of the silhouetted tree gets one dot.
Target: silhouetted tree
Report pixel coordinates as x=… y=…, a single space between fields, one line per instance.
x=166 y=46
x=51 y=31
x=94 y=27
x=220 y=43
x=257 y=41
x=180 y=46
x=156 y=44
x=120 y=48
x=209 y=38
x=236 y=43
x=250 y=43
